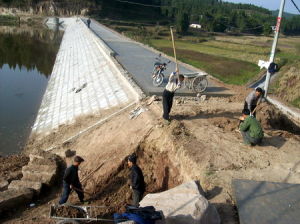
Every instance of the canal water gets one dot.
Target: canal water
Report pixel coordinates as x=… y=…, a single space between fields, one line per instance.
x=26 y=59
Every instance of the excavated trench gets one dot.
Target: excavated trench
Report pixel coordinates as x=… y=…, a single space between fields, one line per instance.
x=114 y=192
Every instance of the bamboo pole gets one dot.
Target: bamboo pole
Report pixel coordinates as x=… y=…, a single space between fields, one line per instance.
x=174 y=48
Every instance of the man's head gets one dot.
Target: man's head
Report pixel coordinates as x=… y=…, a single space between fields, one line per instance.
x=258 y=92
x=181 y=78
x=246 y=113
x=77 y=160
x=131 y=160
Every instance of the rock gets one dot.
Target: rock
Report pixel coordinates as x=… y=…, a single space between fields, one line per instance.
x=12 y=198
x=70 y=153
x=128 y=222
x=3 y=184
x=152 y=99
x=203 y=97
x=183 y=204
x=14 y=176
x=20 y=184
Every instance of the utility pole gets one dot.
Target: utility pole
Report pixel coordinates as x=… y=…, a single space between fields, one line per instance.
x=273 y=51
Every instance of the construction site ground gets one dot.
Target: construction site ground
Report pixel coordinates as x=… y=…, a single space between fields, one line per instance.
x=202 y=142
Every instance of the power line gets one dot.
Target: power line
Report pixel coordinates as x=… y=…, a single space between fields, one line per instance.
x=295 y=5
x=136 y=3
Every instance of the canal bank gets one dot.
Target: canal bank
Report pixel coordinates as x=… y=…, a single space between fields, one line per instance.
x=84 y=81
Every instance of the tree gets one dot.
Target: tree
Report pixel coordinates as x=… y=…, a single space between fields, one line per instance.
x=182 y=22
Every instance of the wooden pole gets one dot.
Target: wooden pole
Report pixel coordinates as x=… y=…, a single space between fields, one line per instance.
x=174 y=48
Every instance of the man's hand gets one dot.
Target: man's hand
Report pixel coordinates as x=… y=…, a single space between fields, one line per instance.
x=130 y=187
x=72 y=187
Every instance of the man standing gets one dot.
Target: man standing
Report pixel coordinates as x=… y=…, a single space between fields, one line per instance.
x=253 y=99
x=71 y=181
x=174 y=83
x=137 y=183
x=89 y=22
x=251 y=129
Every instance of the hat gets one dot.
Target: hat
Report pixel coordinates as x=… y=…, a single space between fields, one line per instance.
x=132 y=158
x=78 y=159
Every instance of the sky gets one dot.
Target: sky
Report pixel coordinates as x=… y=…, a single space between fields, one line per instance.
x=271 y=4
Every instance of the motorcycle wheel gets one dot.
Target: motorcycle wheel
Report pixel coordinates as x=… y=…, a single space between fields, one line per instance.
x=158 y=79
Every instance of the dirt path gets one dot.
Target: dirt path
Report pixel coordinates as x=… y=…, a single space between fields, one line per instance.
x=201 y=143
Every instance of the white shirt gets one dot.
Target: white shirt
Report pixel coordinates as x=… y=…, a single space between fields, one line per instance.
x=173 y=83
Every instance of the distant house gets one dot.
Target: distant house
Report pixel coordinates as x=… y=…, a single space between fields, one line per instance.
x=196 y=26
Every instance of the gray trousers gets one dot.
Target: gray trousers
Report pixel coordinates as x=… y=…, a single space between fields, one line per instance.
x=137 y=196
x=249 y=140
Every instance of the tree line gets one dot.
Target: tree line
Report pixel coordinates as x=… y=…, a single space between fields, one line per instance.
x=212 y=15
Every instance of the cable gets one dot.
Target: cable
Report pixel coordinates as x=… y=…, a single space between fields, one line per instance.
x=136 y=3
x=295 y=6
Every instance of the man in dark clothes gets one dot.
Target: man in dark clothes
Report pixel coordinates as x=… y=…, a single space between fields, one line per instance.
x=71 y=181
x=253 y=99
x=88 y=22
x=137 y=183
x=175 y=82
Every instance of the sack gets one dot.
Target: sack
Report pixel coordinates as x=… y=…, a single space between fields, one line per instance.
x=147 y=213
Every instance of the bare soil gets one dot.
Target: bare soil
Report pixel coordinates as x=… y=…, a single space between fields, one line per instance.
x=201 y=143
x=69 y=212
x=11 y=166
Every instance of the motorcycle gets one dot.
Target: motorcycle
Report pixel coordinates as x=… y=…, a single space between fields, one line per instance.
x=159 y=68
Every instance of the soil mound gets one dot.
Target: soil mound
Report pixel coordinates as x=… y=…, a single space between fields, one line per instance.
x=11 y=166
x=69 y=212
x=272 y=118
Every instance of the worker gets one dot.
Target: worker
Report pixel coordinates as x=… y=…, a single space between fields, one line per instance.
x=137 y=183
x=89 y=22
x=174 y=83
x=253 y=99
x=251 y=129
x=71 y=181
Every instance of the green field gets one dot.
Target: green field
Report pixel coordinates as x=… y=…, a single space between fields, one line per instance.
x=232 y=59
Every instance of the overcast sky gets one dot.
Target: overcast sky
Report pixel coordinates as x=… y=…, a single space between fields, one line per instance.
x=271 y=4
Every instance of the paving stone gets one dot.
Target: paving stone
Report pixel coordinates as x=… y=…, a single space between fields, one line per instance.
x=20 y=184
x=3 y=184
x=82 y=78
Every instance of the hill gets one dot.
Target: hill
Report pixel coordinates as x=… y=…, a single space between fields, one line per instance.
x=285 y=14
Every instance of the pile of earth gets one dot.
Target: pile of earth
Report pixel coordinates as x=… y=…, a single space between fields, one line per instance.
x=11 y=166
x=70 y=212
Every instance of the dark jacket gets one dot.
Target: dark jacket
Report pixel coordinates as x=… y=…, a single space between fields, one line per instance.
x=71 y=176
x=137 y=179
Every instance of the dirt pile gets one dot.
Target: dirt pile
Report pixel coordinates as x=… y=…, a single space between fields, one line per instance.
x=69 y=212
x=272 y=118
x=11 y=166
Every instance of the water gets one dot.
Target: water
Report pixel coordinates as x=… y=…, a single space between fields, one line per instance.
x=26 y=60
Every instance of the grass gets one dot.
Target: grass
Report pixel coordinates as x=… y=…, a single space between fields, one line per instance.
x=296 y=102
x=232 y=59
x=8 y=20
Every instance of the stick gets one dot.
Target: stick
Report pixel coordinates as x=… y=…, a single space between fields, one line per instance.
x=173 y=42
x=77 y=189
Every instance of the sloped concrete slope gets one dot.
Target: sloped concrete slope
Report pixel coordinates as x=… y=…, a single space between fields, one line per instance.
x=83 y=81
x=183 y=204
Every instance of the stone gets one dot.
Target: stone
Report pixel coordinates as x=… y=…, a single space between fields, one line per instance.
x=20 y=184
x=3 y=184
x=203 y=97
x=45 y=178
x=12 y=198
x=70 y=153
x=128 y=222
x=183 y=204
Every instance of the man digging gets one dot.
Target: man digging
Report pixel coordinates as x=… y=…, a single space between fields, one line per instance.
x=71 y=181
x=251 y=129
x=137 y=183
x=253 y=99
x=175 y=82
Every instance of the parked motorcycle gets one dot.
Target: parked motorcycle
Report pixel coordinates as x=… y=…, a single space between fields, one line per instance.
x=159 y=68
